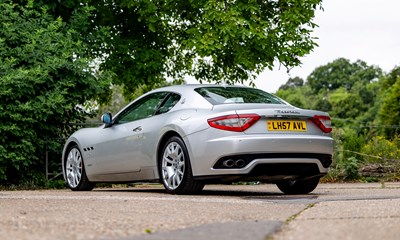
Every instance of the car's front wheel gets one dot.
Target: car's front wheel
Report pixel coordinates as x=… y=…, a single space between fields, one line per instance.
x=175 y=168
x=75 y=171
x=300 y=186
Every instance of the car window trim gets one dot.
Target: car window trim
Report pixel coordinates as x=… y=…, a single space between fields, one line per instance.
x=170 y=94
x=162 y=103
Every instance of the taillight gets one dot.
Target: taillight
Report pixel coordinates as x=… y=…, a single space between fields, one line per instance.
x=323 y=122
x=234 y=122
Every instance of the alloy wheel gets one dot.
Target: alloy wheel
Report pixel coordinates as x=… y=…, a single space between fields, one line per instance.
x=74 y=167
x=173 y=165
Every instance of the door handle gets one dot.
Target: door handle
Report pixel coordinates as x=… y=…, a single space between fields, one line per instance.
x=137 y=129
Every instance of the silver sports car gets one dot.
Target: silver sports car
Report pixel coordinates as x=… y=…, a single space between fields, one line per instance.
x=187 y=136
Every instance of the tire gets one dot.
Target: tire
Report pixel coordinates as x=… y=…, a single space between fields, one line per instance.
x=301 y=186
x=175 y=169
x=75 y=173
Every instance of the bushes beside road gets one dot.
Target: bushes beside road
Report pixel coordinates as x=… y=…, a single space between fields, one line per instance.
x=364 y=104
x=359 y=159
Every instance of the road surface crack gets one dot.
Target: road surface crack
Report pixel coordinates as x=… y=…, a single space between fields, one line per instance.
x=294 y=216
x=289 y=220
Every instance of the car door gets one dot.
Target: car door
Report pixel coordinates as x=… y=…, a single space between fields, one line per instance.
x=120 y=146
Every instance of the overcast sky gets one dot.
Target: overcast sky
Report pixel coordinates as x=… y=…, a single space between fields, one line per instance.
x=354 y=29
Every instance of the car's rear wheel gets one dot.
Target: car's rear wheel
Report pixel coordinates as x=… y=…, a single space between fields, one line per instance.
x=75 y=171
x=175 y=168
x=300 y=186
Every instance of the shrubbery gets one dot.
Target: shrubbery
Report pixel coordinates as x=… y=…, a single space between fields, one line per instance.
x=44 y=76
x=364 y=104
x=355 y=159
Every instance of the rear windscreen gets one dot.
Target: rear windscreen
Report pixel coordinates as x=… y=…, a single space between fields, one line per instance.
x=226 y=95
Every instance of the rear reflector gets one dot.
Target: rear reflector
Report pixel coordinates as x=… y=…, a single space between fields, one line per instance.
x=234 y=122
x=323 y=122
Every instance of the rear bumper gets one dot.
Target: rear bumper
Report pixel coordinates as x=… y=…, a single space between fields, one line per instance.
x=261 y=151
x=243 y=160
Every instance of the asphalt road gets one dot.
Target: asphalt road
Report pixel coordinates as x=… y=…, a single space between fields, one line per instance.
x=332 y=211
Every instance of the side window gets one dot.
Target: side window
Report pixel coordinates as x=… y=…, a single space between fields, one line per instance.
x=169 y=103
x=144 y=108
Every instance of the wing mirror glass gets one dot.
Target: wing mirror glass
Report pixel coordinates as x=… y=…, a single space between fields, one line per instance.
x=106 y=118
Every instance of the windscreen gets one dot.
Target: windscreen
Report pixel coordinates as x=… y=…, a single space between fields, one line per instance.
x=226 y=95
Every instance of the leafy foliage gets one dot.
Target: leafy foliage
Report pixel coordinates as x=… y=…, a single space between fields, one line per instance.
x=389 y=113
x=44 y=75
x=292 y=82
x=342 y=73
x=346 y=90
x=352 y=168
x=221 y=41
x=383 y=148
x=364 y=105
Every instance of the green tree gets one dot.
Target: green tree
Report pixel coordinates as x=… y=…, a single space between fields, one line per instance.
x=389 y=113
x=44 y=76
x=321 y=101
x=342 y=73
x=345 y=104
x=292 y=82
x=390 y=79
x=299 y=96
x=221 y=41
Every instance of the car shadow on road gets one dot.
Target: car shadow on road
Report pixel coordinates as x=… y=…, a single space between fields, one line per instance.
x=207 y=192
x=262 y=196
x=243 y=194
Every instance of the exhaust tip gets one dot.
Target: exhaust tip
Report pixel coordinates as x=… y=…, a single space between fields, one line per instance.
x=228 y=163
x=240 y=163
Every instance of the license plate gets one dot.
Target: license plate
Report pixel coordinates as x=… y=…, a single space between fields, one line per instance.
x=287 y=125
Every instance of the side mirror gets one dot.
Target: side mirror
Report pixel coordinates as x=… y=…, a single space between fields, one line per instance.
x=106 y=118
